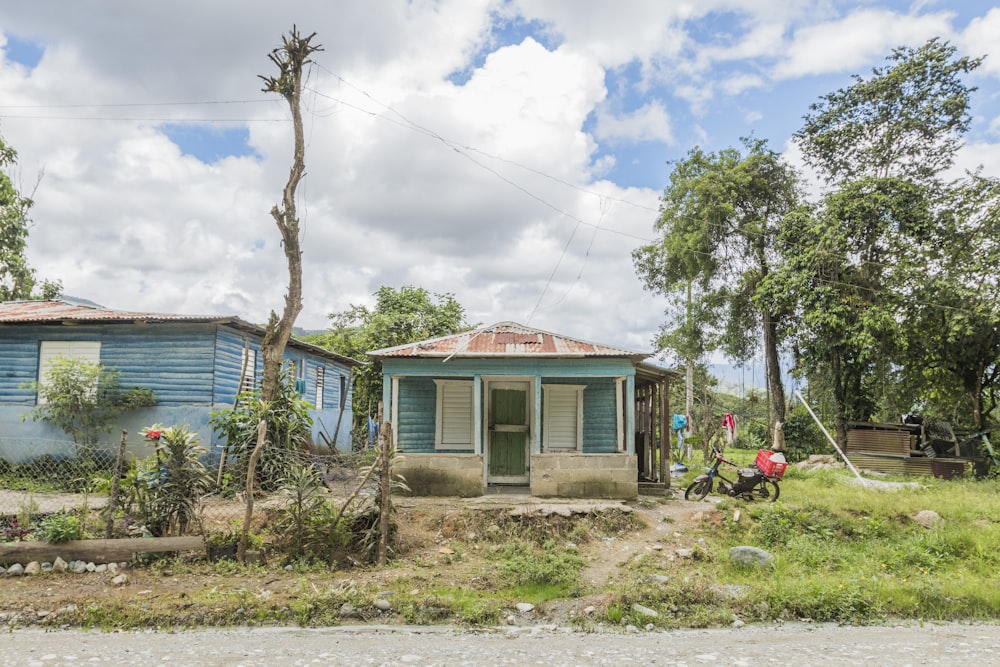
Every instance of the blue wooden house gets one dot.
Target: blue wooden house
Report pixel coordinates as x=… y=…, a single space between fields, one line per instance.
x=510 y=406
x=194 y=364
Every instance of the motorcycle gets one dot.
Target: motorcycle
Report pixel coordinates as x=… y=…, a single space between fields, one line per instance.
x=758 y=482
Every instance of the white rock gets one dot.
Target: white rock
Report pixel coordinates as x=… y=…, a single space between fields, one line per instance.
x=15 y=570
x=928 y=519
x=59 y=565
x=383 y=605
x=90 y=567
x=120 y=580
x=642 y=610
x=34 y=567
x=101 y=568
x=524 y=607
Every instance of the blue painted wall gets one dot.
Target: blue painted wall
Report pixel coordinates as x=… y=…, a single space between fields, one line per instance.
x=193 y=368
x=416 y=412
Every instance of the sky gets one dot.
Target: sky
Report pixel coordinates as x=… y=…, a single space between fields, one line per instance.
x=509 y=152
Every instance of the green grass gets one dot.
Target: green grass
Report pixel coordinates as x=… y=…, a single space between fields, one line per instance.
x=843 y=553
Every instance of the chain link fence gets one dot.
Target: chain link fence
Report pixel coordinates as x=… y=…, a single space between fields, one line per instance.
x=154 y=496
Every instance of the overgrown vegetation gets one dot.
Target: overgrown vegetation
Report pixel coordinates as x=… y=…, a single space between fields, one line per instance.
x=84 y=399
x=163 y=491
x=289 y=429
x=842 y=554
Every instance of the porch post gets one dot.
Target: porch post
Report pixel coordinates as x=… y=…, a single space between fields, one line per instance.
x=477 y=413
x=536 y=419
x=630 y=414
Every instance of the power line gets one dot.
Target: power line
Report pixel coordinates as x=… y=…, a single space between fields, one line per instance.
x=124 y=105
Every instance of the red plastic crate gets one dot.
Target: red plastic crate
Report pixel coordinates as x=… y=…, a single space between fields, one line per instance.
x=769 y=467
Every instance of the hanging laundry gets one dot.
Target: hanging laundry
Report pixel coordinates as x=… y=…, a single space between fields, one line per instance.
x=680 y=424
x=729 y=423
x=372 y=431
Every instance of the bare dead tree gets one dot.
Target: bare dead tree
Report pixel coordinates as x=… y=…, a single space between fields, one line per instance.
x=291 y=58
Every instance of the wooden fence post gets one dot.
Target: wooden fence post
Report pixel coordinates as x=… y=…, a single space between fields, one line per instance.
x=115 y=487
x=385 y=482
x=241 y=549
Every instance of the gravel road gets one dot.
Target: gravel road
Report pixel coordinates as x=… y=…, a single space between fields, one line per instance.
x=799 y=644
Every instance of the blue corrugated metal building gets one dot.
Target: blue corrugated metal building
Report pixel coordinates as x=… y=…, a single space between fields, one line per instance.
x=192 y=363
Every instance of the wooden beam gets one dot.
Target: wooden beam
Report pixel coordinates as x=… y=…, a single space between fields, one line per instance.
x=97 y=551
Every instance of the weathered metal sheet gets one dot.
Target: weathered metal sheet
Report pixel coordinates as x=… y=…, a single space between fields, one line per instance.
x=507 y=339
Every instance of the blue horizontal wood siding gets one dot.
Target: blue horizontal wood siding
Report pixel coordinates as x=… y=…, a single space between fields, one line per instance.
x=228 y=363
x=415 y=415
x=174 y=361
x=417 y=407
x=18 y=365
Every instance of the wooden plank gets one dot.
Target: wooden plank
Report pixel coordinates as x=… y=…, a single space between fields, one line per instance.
x=97 y=551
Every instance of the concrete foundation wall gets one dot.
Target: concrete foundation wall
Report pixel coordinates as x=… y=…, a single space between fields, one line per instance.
x=585 y=475
x=443 y=474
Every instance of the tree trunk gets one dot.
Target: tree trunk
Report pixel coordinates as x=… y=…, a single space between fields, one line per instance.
x=291 y=59
x=839 y=400
x=689 y=378
x=775 y=385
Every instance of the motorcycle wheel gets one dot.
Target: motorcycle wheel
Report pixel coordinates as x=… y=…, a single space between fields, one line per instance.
x=698 y=490
x=767 y=490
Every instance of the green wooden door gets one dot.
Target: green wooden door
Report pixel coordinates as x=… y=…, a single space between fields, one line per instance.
x=508 y=434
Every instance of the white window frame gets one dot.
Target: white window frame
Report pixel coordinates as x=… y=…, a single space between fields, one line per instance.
x=248 y=368
x=551 y=392
x=50 y=351
x=320 y=386
x=456 y=390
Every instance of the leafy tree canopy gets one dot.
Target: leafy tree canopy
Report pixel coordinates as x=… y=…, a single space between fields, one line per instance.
x=17 y=279
x=401 y=316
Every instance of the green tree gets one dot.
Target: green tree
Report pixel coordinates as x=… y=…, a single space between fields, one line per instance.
x=906 y=120
x=880 y=144
x=84 y=399
x=17 y=279
x=401 y=316
x=953 y=357
x=719 y=222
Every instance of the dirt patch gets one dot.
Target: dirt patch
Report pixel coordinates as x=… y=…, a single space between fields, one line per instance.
x=441 y=544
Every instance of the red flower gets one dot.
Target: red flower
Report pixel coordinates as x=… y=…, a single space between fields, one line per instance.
x=153 y=434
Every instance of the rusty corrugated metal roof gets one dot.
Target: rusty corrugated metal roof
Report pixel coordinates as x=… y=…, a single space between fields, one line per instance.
x=68 y=311
x=506 y=339
x=61 y=311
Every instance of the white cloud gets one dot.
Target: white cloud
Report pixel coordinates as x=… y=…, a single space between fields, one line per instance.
x=486 y=188
x=650 y=122
x=980 y=37
x=854 y=41
x=739 y=83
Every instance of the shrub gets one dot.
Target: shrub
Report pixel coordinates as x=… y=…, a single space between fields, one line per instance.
x=60 y=527
x=169 y=485
x=289 y=431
